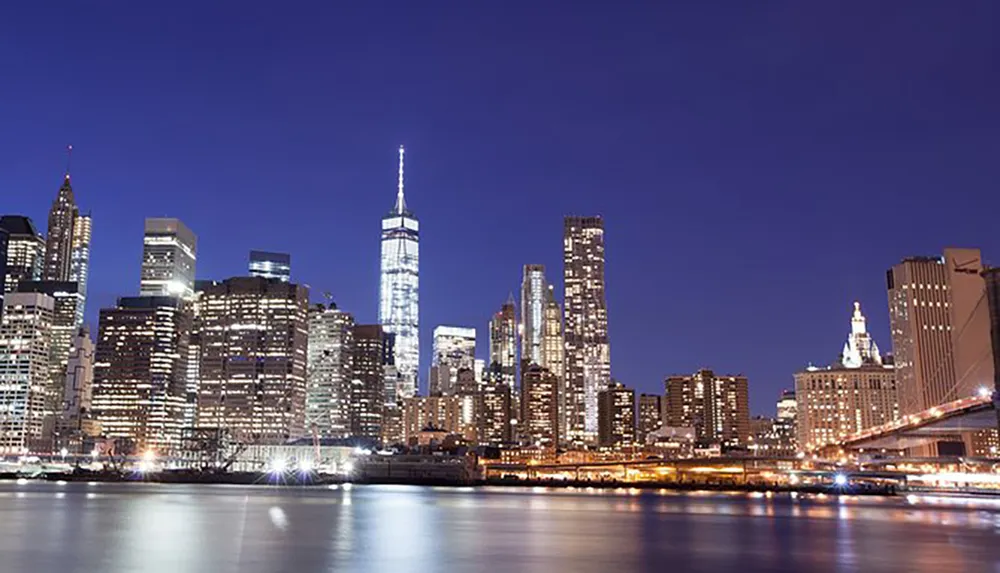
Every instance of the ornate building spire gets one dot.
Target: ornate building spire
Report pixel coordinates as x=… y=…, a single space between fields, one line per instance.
x=859 y=349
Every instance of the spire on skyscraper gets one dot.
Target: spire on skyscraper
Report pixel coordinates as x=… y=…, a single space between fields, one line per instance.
x=400 y=202
x=69 y=159
x=859 y=349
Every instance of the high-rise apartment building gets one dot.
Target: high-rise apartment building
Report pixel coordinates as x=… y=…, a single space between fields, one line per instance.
x=25 y=251
x=650 y=415
x=786 y=424
x=503 y=342
x=254 y=339
x=552 y=354
x=534 y=297
x=616 y=416
x=139 y=371
x=539 y=407
x=271 y=265
x=328 y=385
x=25 y=375
x=169 y=254
x=367 y=397
x=587 y=348
x=856 y=394
x=399 y=300
x=65 y=325
x=454 y=350
x=940 y=328
x=493 y=410
x=716 y=406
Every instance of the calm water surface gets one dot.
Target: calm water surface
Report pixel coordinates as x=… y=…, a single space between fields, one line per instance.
x=50 y=527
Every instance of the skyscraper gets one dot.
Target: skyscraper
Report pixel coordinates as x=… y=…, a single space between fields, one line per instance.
x=254 y=339
x=25 y=375
x=454 y=349
x=328 y=390
x=3 y=263
x=588 y=352
x=616 y=415
x=367 y=399
x=939 y=320
x=169 y=253
x=493 y=409
x=271 y=265
x=25 y=251
x=503 y=342
x=539 y=407
x=399 y=300
x=139 y=370
x=854 y=395
x=59 y=243
x=76 y=421
x=650 y=415
x=716 y=406
x=67 y=301
x=552 y=354
x=534 y=299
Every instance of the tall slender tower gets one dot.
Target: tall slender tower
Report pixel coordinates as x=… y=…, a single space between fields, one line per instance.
x=534 y=295
x=67 y=247
x=588 y=352
x=399 y=300
x=503 y=342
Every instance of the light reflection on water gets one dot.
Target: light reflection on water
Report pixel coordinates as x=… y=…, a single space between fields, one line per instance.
x=173 y=529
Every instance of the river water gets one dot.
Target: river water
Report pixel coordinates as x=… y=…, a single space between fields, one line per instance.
x=79 y=527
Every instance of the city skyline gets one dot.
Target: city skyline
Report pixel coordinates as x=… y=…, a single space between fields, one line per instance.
x=762 y=188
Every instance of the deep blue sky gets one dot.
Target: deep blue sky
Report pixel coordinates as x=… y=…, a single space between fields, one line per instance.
x=759 y=165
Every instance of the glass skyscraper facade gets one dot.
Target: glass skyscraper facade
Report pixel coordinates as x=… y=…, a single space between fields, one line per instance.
x=399 y=300
x=169 y=251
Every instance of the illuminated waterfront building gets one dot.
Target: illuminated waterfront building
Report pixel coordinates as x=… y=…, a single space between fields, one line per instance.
x=539 y=421
x=25 y=253
x=328 y=385
x=392 y=425
x=552 y=353
x=25 y=374
x=534 y=296
x=140 y=366
x=169 y=253
x=67 y=247
x=399 y=300
x=67 y=304
x=716 y=406
x=493 y=411
x=845 y=398
x=454 y=349
x=437 y=412
x=367 y=400
x=650 y=415
x=616 y=416
x=254 y=337
x=940 y=328
x=503 y=342
x=786 y=425
x=587 y=349
x=769 y=439
x=271 y=265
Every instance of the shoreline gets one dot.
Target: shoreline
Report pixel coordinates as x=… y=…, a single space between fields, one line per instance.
x=298 y=480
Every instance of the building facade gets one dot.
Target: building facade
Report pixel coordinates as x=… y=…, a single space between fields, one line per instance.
x=539 y=407
x=140 y=365
x=858 y=393
x=399 y=293
x=650 y=415
x=271 y=265
x=716 y=406
x=493 y=412
x=454 y=350
x=169 y=254
x=534 y=298
x=431 y=412
x=587 y=348
x=503 y=342
x=328 y=390
x=76 y=422
x=367 y=397
x=25 y=374
x=25 y=251
x=940 y=328
x=616 y=416
x=254 y=339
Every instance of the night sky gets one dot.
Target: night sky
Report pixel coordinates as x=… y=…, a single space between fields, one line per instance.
x=759 y=165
